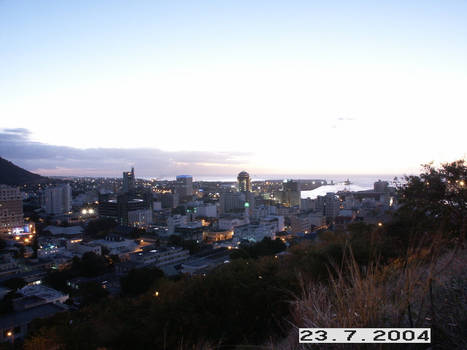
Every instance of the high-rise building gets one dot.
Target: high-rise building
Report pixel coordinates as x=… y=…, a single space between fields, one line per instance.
x=184 y=186
x=129 y=180
x=244 y=182
x=169 y=200
x=232 y=201
x=57 y=200
x=291 y=193
x=331 y=205
x=380 y=186
x=11 y=208
x=129 y=209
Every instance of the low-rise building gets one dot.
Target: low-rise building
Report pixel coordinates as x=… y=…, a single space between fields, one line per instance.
x=275 y=220
x=214 y=236
x=254 y=232
x=175 y=221
x=8 y=265
x=229 y=223
x=70 y=231
x=116 y=246
x=80 y=249
x=48 y=295
x=206 y=211
x=37 y=301
x=160 y=258
x=14 y=325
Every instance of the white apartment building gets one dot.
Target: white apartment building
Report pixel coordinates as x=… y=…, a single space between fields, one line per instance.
x=140 y=218
x=57 y=200
x=254 y=232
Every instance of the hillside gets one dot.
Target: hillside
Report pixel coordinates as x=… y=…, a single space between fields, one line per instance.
x=11 y=174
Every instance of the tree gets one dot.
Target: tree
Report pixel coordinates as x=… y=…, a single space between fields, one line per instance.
x=437 y=198
x=90 y=265
x=140 y=280
x=58 y=279
x=6 y=304
x=42 y=340
x=100 y=227
x=266 y=247
x=15 y=283
x=92 y=292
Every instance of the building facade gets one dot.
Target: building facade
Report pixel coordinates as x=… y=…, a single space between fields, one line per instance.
x=244 y=182
x=129 y=182
x=11 y=208
x=57 y=200
x=184 y=186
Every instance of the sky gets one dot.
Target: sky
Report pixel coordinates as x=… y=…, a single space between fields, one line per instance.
x=216 y=87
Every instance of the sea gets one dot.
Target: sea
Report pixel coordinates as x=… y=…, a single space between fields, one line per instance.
x=357 y=182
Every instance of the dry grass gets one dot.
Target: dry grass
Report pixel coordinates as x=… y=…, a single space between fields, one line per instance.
x=426 y=289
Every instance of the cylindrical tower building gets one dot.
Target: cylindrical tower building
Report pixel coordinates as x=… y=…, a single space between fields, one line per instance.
x=244 y=182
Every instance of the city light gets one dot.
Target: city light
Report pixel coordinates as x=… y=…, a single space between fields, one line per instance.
x=87 y=211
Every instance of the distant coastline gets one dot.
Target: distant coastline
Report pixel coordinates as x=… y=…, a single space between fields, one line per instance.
x=363 y=180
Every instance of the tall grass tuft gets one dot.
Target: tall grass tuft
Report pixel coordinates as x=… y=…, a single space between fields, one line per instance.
x=426 y=288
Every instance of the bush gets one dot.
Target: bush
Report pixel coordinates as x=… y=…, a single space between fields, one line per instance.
x=266 y=247
x=139 y=281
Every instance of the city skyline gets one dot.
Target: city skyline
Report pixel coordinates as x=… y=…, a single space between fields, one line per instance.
x=203 y=88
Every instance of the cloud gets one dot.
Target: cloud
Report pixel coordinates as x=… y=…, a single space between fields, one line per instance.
x=45 y=159
x=17 y=131
x=341 y=121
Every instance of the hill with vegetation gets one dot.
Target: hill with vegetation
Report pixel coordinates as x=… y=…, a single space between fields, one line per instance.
x=11 y=174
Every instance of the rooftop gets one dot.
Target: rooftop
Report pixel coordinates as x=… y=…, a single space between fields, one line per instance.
x=40 y=291
x=23 y=317
x=71 y=230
